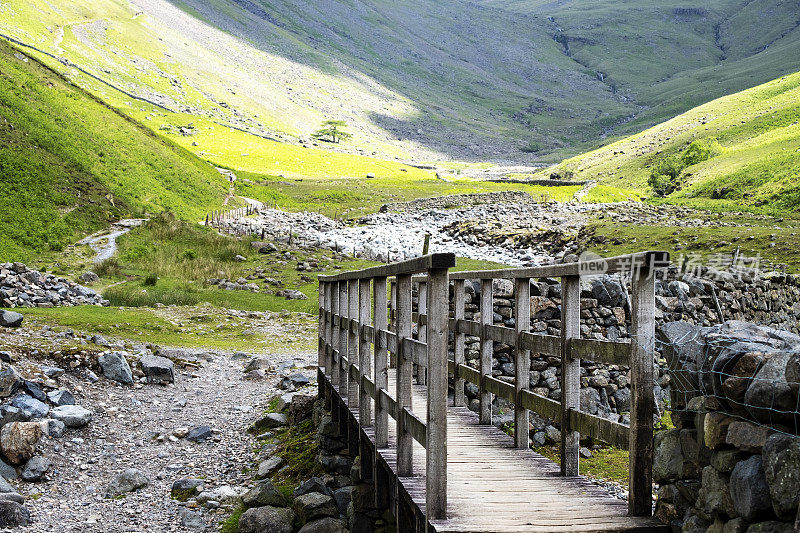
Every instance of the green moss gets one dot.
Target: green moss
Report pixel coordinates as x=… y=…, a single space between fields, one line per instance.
x=231 y=524
x=297 y=445
x=607 y=463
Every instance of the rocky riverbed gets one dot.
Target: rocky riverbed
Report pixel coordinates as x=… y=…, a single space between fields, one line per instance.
x=149 y=416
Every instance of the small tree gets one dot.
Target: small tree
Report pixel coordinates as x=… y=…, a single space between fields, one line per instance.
x=331 y=131
x=665 y=177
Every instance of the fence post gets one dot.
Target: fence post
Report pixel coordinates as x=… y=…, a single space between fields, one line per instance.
x=405 y=444
x=352 y=344
x=365 y=354
x=336 y=323
x=380 y=321
x=321 y=347
x=522 y=365
x=458 y=343
x=436 y=437
x=393 y=320
x=343 y=325
x=422 y=328
x=328 y=341
x=570 y=372
x=487 y=350
x=642 y=401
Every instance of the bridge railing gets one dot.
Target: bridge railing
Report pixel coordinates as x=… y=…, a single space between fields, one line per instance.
x=345 y=327
x=349 y=330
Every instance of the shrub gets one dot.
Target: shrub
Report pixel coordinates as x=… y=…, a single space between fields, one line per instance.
x=108 y=268
x=697 y=152
x=665 y=176
x=150 y=280
x=189 y=254
x=531 y=147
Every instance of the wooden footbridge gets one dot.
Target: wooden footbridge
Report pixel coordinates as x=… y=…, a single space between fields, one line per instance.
x=439 y=466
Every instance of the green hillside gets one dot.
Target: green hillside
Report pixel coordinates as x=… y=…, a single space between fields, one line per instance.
x=493 y=80
x=737 y=151
x=69 y=164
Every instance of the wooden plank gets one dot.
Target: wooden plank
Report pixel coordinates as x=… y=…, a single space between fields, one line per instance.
x=417 y=351
x=381 y=321
x=415 y=427
x=500 y=334
x=364 y=353
x=570 y=373
x=642 y=384
x=487 y=350
x=407 y=267
x=541 y=344
x=522 y=360
x=600 y=428
x=422 y=327
x=392 y=320
x=321 y=327
x=622 y=263
x=470 y=374
x=459 y=298
x=608 y=352
x=436 y=424
x=352 y=340
x=499 y=388
x=405 y=449
x=342 y=379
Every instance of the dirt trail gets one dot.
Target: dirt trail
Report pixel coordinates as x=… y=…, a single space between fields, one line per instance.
x=104 y=243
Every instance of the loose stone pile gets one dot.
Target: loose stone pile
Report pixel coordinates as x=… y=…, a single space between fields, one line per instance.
x=23 y=287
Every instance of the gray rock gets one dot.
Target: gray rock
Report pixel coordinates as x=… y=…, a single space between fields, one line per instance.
x=116 y=367
x=13 y=514
x=342 y=497
x=157 y=369
x=30 y=407
x=667 y=459
x=73 y=416
x=191 y=519
x=89 y=277
x=270 y=421
x=782 y=468
x=10 y=319
x=749 y=490
x=770 y=392
x=314 y=484
x=270 y=466
x=199 y=434
x=12 y=497
x=52 y=371
x=10 y=381
x=267 y=519
x=35 y=468
x=223 y=494
x=185 y=488
x=715 y=494
x=128 y=481
x=33 y=390
x=7 y=471
x=257 y=363
x=314 y=505
x=264 y=493
x=325 y=525
x=771 y=527
x=5 y=487
x=61 y=397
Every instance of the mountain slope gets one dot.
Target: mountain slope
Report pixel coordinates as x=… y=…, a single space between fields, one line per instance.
x=69 y=164
x=420 y=79
x=752 y=139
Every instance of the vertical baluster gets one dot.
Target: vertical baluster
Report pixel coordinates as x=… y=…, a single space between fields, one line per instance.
x=352 y=344
x=393 y=320
x=404 y=376
x=459 y=296
x=487 y=350
x=642 y=383
x=321 y=326
x=522 y=321
x=364 y=354
x=570 y=372
x=380 y=321
x=328 y=340
x=336 y=322
x=422 y=328
x=436 y=436
x=344 y=324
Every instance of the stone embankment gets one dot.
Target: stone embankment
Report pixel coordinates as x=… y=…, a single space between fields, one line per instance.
x=23 y=287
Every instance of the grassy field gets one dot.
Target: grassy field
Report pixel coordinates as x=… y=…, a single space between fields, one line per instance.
x=753 y=138
x=69 y=164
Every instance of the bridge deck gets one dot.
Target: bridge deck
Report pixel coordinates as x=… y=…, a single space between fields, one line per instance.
x=494 y=487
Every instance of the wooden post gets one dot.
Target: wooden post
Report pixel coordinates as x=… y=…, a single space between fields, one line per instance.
x=642 y=401
x=459 y=296
x=522 y=321
x=570 y=372
x=436 y=436
x=487 y=350
x=393 y=320
x=405 y=443
x=321 y=341
x=352 y=344
x=422 y=329
x=364 y=354
x=336 y=335
x=344 y=324
x=380 y=322
x=427 y=244
x=328 y=341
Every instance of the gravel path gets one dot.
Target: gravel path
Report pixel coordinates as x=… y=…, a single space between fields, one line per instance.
x=131 y=428
x=104 y=243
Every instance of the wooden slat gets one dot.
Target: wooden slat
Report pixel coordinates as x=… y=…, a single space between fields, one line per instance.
x=414 y=426
x=364 y=352
x=405 y=449
x=487 y=350
x=342 y=300
x=353 y=340
x=623 y=263
x=501 y=334
x=459 y=298
x=422 y=328
x=544 y=406
x=543 y=344
x=436 y=445
x=608 y=352
x=417 y=351
x=522 y=359
x=570 y=373
x=381 y=319
x=500 y=388
x=600 y=428
x=410 y=266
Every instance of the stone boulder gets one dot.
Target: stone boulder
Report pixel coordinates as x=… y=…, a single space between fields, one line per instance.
x=770 y=392
x=18 y=441
x=223 y=494
x=30 y=407
x=61 y=397
x=314 y=505
x=36 y=468
x=264 y=493
x=10 y=319
x=749 y=490
x=12 y=514
x=781 y=459
x=10 y=380
x=185 y=488
x=116 y=367
x=667 y=459
x=325 y=525
x=89 y=277
x=267 y=519
x=157 y=369
x=73 y=416
x=127 y=481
